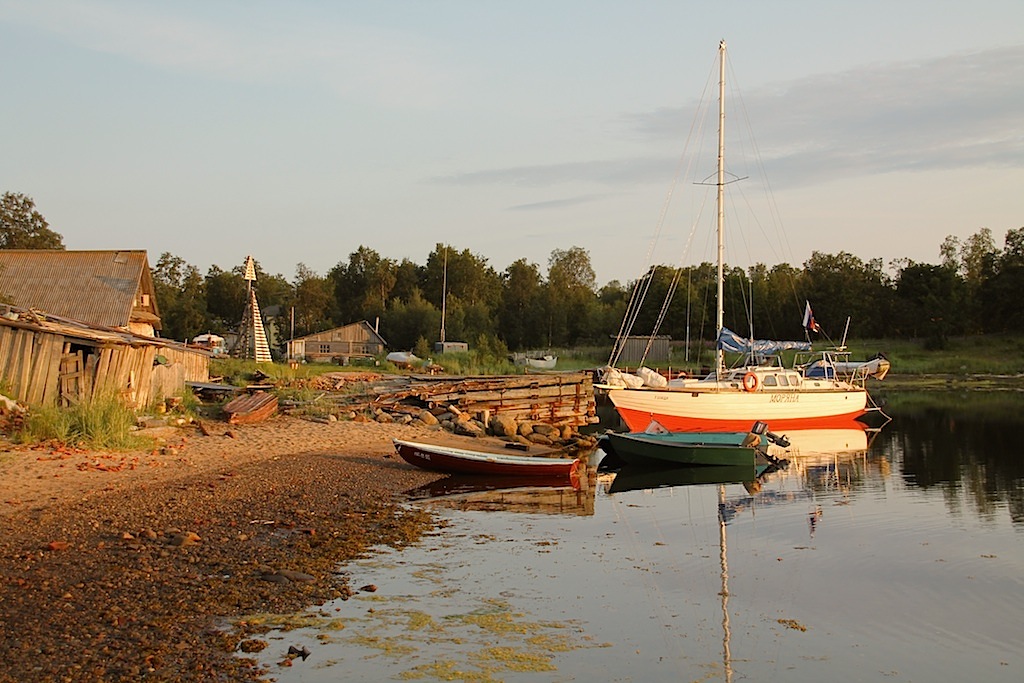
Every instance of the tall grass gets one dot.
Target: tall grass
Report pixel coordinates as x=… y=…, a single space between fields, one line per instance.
x=241 y=372
x=989 y=354
x=102 y=423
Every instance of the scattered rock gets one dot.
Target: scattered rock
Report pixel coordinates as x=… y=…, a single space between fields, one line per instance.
x=295 y=651
x=538 y=438
x=183 y=538
x=252 y=645
x=286 y=576
x=469 y=428
x=503 y=425
x=550 y=431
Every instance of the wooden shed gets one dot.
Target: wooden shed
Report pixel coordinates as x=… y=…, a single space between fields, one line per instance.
x=100 y=288
x=339 y=344
x=634 y=347
x=46 y=360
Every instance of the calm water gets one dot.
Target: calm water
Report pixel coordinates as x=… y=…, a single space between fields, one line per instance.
x=901 y=559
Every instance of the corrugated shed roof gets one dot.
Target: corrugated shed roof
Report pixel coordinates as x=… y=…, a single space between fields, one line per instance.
x=96 y=287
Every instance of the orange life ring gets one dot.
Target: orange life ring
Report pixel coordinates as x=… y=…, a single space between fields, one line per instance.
x=750 y=382
x=574 y=473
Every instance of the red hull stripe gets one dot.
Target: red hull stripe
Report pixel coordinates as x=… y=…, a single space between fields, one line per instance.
x=638 y=421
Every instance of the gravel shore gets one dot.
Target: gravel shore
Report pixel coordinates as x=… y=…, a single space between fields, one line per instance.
x=139 y=565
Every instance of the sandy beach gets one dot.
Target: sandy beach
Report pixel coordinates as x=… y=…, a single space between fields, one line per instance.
x=116 y=566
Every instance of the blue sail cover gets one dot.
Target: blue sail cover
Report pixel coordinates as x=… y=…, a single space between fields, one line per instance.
x=733 y=343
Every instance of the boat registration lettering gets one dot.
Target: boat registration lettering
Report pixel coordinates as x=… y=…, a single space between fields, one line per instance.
x=785 y=398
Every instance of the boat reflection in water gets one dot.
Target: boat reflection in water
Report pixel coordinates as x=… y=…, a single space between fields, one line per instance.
x=636 y=477
x=852 y=437
x=535 y=495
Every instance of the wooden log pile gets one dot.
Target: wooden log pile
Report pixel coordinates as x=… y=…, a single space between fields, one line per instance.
x=563 y=399
x=531 y=410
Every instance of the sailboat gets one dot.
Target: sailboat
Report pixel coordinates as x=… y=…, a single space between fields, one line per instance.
x=761 y=388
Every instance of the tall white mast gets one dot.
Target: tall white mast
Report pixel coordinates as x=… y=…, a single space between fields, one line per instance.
x=720 y=321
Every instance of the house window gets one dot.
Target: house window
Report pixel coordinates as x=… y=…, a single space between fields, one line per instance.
x=325 y=348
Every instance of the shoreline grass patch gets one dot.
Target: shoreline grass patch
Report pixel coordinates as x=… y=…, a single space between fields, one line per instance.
x=102 y=423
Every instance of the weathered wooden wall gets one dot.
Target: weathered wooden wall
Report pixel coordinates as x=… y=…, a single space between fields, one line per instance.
x=29 y=364
x=32 y=359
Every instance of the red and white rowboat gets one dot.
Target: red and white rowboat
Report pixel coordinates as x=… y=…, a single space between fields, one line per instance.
x=460 y=461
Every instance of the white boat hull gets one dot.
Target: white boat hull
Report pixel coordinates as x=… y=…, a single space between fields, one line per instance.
x=698 y=408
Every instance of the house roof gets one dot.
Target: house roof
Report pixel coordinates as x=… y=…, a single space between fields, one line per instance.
x=96 y=287
x=327 y=334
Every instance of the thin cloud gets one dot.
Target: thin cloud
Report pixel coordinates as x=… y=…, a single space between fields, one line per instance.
x=949 y=112
x=605 y=172
x=371 y=64
x=559 y=203
x=952 y=112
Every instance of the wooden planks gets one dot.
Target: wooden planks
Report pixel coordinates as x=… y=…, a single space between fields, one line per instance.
x=561 y=399
x=250 y=408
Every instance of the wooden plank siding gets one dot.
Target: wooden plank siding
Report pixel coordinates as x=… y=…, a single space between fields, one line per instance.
x=352 y=340
x=51 y=385
x=25 y=363
x=41 y=347
x=32 y=360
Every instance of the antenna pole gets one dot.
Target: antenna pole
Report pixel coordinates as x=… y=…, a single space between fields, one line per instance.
x=444 y=292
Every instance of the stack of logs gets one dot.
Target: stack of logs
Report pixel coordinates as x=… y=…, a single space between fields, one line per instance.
x=538 y=409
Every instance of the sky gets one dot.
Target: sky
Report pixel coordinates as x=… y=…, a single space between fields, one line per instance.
x=299 y=131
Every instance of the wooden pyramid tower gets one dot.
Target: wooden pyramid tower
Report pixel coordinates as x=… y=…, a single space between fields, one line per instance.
x=252 y=338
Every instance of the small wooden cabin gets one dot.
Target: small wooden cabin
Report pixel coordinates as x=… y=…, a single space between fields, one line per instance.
x=112 y=289
x=49 y=361
x=339 y=344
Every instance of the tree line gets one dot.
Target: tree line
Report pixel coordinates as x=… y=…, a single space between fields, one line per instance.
x=974 y=289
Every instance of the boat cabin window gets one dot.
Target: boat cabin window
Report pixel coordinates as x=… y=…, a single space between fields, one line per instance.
x=769 y=381
x=783 y=382
x=794 y=379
